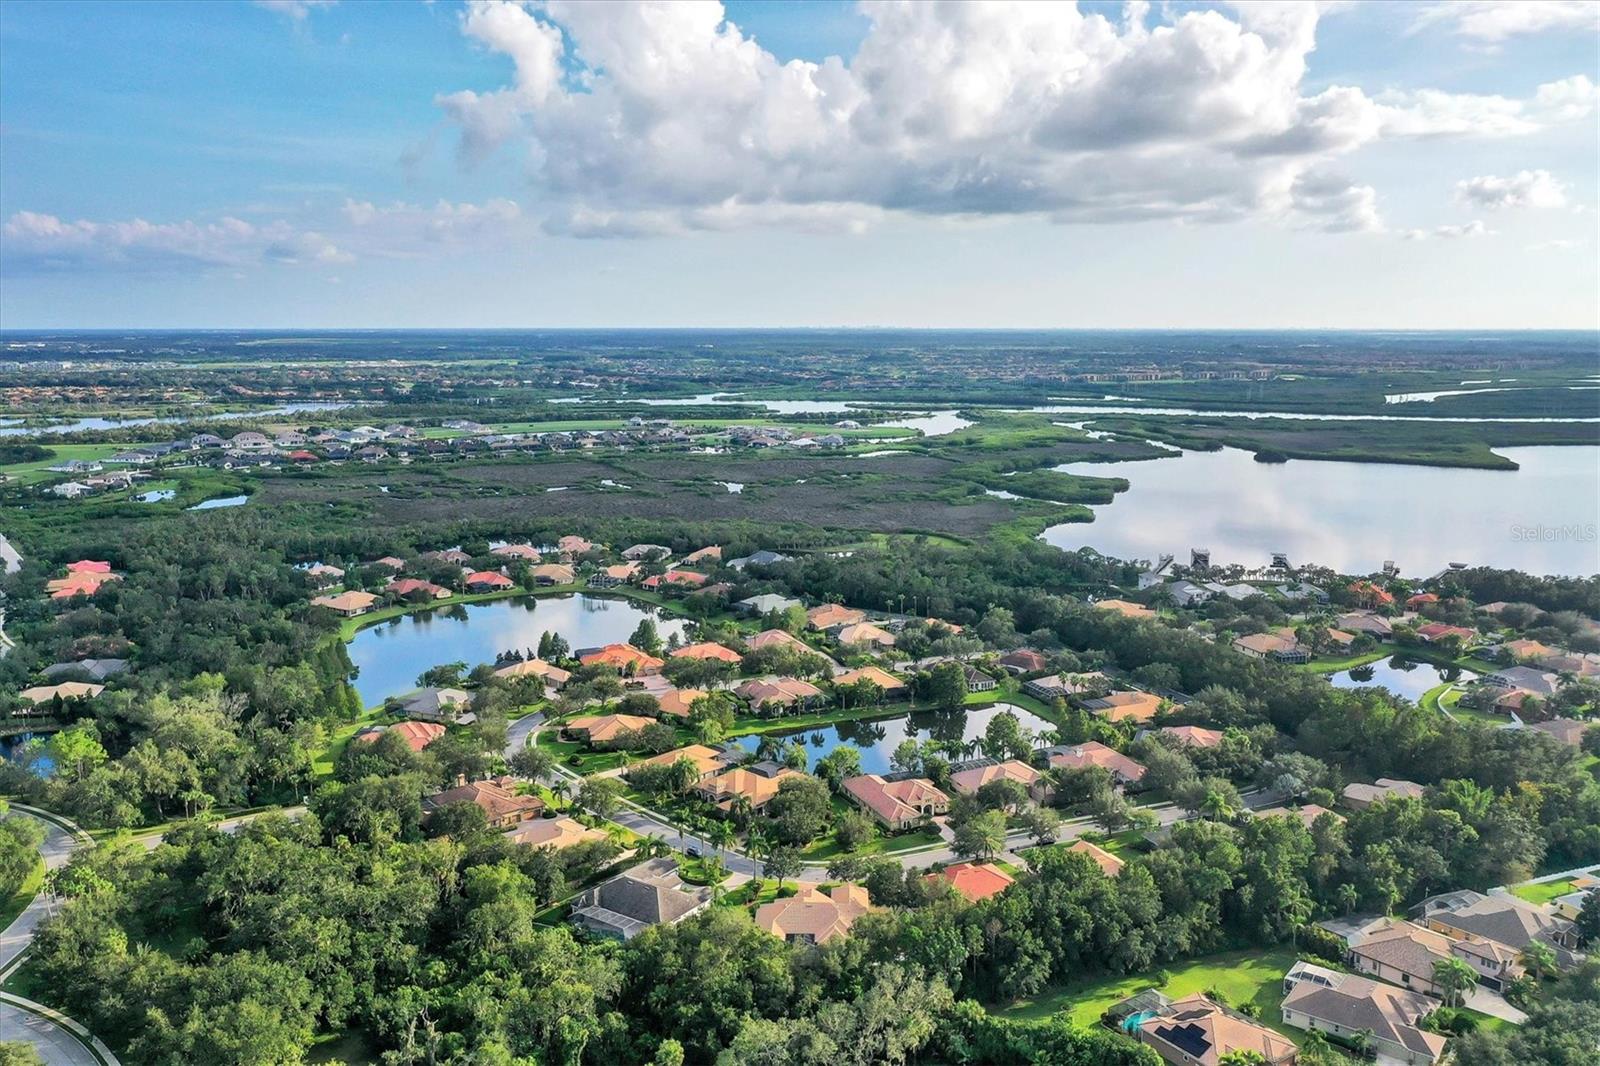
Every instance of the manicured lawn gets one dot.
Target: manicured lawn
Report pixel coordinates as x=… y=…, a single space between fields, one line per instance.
x=39 y=470
x=1544 y=891
x=1333 y=666
x=828 y=846
x=323 y=764
x=1253 y=976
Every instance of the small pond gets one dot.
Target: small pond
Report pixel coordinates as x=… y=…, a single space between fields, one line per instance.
x=220 y=501
x=878 y=738
x=391 y=654
x=1403 y=677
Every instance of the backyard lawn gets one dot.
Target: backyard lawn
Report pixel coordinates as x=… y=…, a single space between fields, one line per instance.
x=1251 y=976
x=1544 y=891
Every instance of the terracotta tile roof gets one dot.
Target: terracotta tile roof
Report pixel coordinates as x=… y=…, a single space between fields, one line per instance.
x=517 y=551
x=877 y=675
x=778 y=690
x=756 y=787
x=67 y=690
x=896 y=801
x=812 y=916
x=604 y=728
x=346 y=601
x=832 y=614
x=1024 y=659
x=676 y=577
x=1109 y=864
x=409 y=586
x=975 y=880
x=78 y=583
x=1566 y=730
x=1125 y=608
x=865 y=633
x=89 y=566
x=1199 y=1031
x=417 y=735
x=489 y=579
x=575 y=545
x=1126 y=706
x=677 y=701
x=769 y=638
x=555 y=573
x=705 y=759
x=710 y=552
x=553 y=675
x=553 y=833
x=622 y=656
x=497 y=802
x=1094 y=753
x=707 y=650
x=1194 y=735
x=969 y=781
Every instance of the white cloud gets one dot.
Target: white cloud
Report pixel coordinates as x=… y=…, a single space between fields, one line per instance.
x=1528 y=188
x=1559 y=244
x=1491 y=22
x=34 y=242
x=1475 y=228
x=399 y=226
x=294 y=9
x=653 y=118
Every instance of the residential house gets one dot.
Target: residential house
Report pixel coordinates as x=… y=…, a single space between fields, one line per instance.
x=414 y=588
x=1109 y=864
x=1405 y=953
x=500 y=805
x=812 y=916
x=349 y=604
x=770 y=638
x=830 y=615
x=1271 y=646
x=1358 y=795
x=553 y=574
x=70 y=490
x=1307 y=814
x=1061 y=686
x=554 y=833
x=417 y=735
x=574 y=546
x=1024 y=661
x=554 y=677
x=977 y=680
x=487 y=581
x=610 y=577
x=1373 y=625
x=760 y=558
x=1570 y=905
x=604 y=729
x=1527 y=650
x=875 y=675
x=706 y=760
x=678 y=702
x=1199 y=1032
x=968 y=781
x=66 y=690
x=757 y=782
x=446 y=555
x=710 y=554
x=624 y=658
x=79 y=583
x=322 y=575
x=1125 y=608
x=390 y=562
x=863 y=634
x=1507 y=920
x=1541 y=683
x=1188 y=594
x=1124 y=771
x=974 y=881
x=1421 y=600
x=898 y=804
x=766 y=603
x=526 y=552
x=1193 y=736
x=778 y=693
x=1126 y=706
x=675 y=578
x=1368 y=595
x=1346 y=1005
x=707 y=650
x=645 y=552
x=436 y=704
x=95 y=670
x=1567 y=730
x=1434 y=632
x=649 y=894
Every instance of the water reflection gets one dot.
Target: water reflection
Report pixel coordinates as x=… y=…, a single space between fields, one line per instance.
x=1351 y=516
x=1403 y=677
x=956 y=731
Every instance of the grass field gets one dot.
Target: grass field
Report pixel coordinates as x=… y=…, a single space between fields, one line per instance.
x=39 y=470
x=1544 y=891
x=1251 y=976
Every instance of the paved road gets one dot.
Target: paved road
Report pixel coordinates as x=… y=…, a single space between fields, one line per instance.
x=56 y=850
x=55 y=1045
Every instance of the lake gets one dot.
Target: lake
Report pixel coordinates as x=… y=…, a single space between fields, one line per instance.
x=220 y=501
x=11 y=747
x=1540 y=518
x=1401 y=676
x=390 y=655
x=878 y=738
x=95 y=422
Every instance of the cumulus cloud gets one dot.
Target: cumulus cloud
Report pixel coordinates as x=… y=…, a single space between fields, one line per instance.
x=1491 y=22
x=398 y=227
x=41 y=241
x=1528 y=188
x=661 y=117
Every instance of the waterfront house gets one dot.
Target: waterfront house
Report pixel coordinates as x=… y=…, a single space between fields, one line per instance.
x=417 y=735
x=624 y=658
x=1124 y=771
x=348 y=604
x=898 y=804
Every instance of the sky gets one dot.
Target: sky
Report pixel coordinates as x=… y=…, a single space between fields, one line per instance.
x=311 y=164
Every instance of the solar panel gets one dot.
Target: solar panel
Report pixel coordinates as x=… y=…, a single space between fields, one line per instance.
x=1189 y=1038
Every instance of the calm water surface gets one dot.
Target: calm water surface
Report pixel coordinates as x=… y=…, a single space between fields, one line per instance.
x=391 y=654
x=1401 y=676
x=877 y=740
x=1540 y=518
x=220 y=501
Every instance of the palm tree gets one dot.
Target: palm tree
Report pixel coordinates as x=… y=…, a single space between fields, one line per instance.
x=653 y=847
x=562 y=790
x=1539 y=959
x=759 y=846
x=721 y=837
x=1454 y=979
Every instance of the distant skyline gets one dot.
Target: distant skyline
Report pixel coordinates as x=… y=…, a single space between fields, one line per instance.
x=311 y=164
